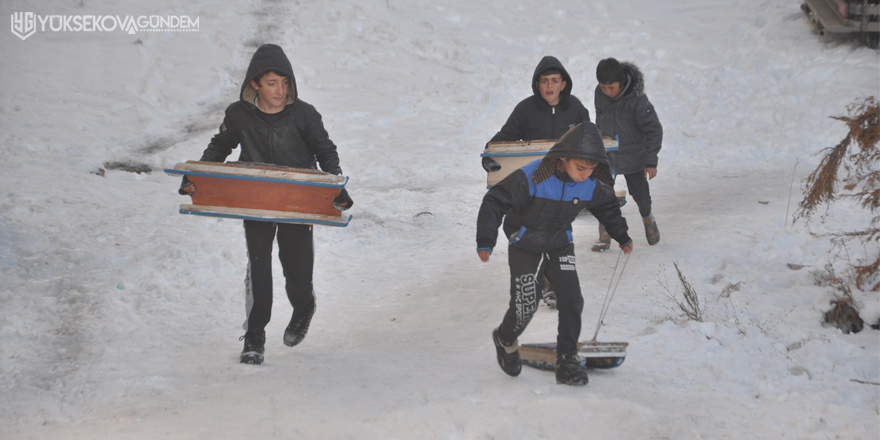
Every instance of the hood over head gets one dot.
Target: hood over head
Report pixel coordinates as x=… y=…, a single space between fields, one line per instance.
x=548 y=63
x=582 y=141
x=268 y=58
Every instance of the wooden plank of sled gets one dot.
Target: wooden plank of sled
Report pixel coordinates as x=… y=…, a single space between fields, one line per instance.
x=259 y=171
x=595 y=354
x=266 y=216
x=513 y=156
x=264 y=192
x=517 y=154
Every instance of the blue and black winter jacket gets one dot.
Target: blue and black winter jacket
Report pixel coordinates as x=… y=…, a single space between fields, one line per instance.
x=537 y=209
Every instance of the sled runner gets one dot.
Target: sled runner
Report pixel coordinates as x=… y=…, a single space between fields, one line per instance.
x=594 y=354
x=602 y=355
x=263 y=192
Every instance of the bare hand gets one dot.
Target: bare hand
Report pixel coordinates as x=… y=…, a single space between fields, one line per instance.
x=484 y=255
x=650 y=173
x=189 y=189
x=627 y=249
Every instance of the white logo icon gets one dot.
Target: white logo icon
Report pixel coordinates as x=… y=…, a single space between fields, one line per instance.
x=24 y=24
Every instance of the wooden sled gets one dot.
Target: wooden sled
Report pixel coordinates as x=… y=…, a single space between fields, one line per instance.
x=263 y=192
x=602 y=355
x=515 y=155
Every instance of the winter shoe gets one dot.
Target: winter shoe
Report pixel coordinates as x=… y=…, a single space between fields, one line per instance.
x=298 y=327
x=652 y=233
x=569 y=371
x=548 y=294
x=508 y=355
x=604 y=241
x=550 y=299
x=254 y=346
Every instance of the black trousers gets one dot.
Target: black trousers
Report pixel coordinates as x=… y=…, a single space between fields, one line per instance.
x=526 y=271
x=637 y=185
x=296 y=251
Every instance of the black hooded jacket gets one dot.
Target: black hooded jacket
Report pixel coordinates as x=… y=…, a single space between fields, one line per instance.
x=538 y=203
x=534 y=119
x=296 y=138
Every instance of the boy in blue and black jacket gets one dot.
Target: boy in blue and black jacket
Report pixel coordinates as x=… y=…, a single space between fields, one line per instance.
x=537 y=205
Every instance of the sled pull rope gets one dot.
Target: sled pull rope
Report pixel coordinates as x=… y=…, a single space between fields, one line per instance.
x=610 y=293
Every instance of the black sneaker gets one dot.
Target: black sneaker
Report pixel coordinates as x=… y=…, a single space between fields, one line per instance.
x=508 y=355
x=570 y=371
x=254 y=346
x=298 y=327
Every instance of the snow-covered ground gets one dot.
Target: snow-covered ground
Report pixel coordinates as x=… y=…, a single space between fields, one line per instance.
x=120 y=317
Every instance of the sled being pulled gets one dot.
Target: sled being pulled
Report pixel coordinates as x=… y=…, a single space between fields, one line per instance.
x=602 y=355
x=263 y=192
x=593 y=353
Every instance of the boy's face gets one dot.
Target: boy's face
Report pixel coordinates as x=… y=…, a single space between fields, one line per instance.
x=272 y=92
x=611 y=90
x=551 y=86
x=578 y=169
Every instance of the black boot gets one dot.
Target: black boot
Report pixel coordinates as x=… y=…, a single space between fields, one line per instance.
x=508 y=355
x=254 y=346
x=569 y=371
x=298 y=327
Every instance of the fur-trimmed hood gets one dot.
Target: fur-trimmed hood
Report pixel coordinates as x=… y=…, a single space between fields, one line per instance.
x=635 y=80
x=268 y=57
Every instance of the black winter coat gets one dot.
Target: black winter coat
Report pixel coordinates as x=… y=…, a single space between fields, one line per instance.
x=296 y=139
x=534 y=119
x=631 y=117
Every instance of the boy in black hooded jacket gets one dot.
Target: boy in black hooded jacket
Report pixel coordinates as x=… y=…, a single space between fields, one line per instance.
x=547 y=114
x=537 y=204
x=274 y=126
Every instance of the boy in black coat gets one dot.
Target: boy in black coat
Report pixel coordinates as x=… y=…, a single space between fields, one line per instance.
x=274 y=126
x=547 y=114
x=623 y=110
x=537 y=204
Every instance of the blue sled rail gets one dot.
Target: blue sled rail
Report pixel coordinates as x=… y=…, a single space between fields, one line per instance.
x=263 y=192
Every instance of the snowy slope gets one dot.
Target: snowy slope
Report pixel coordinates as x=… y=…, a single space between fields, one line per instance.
x=122 y=317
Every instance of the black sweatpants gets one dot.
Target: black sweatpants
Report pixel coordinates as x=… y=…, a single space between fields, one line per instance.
x=296 y=251
x=637 y=185
x=526 y=270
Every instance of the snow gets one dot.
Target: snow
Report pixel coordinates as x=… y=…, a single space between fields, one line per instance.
x=121 y=317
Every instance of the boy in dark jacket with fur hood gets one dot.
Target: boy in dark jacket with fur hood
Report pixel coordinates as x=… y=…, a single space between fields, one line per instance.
x=623 y=110
x=274 y=126
x=537 y=204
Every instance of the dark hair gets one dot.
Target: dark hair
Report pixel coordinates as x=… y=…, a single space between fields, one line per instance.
x=550 y=71
x=260 y=76
x=610 y=71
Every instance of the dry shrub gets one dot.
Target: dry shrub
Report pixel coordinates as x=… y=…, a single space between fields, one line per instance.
x=690 y=304
x=854 y=163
